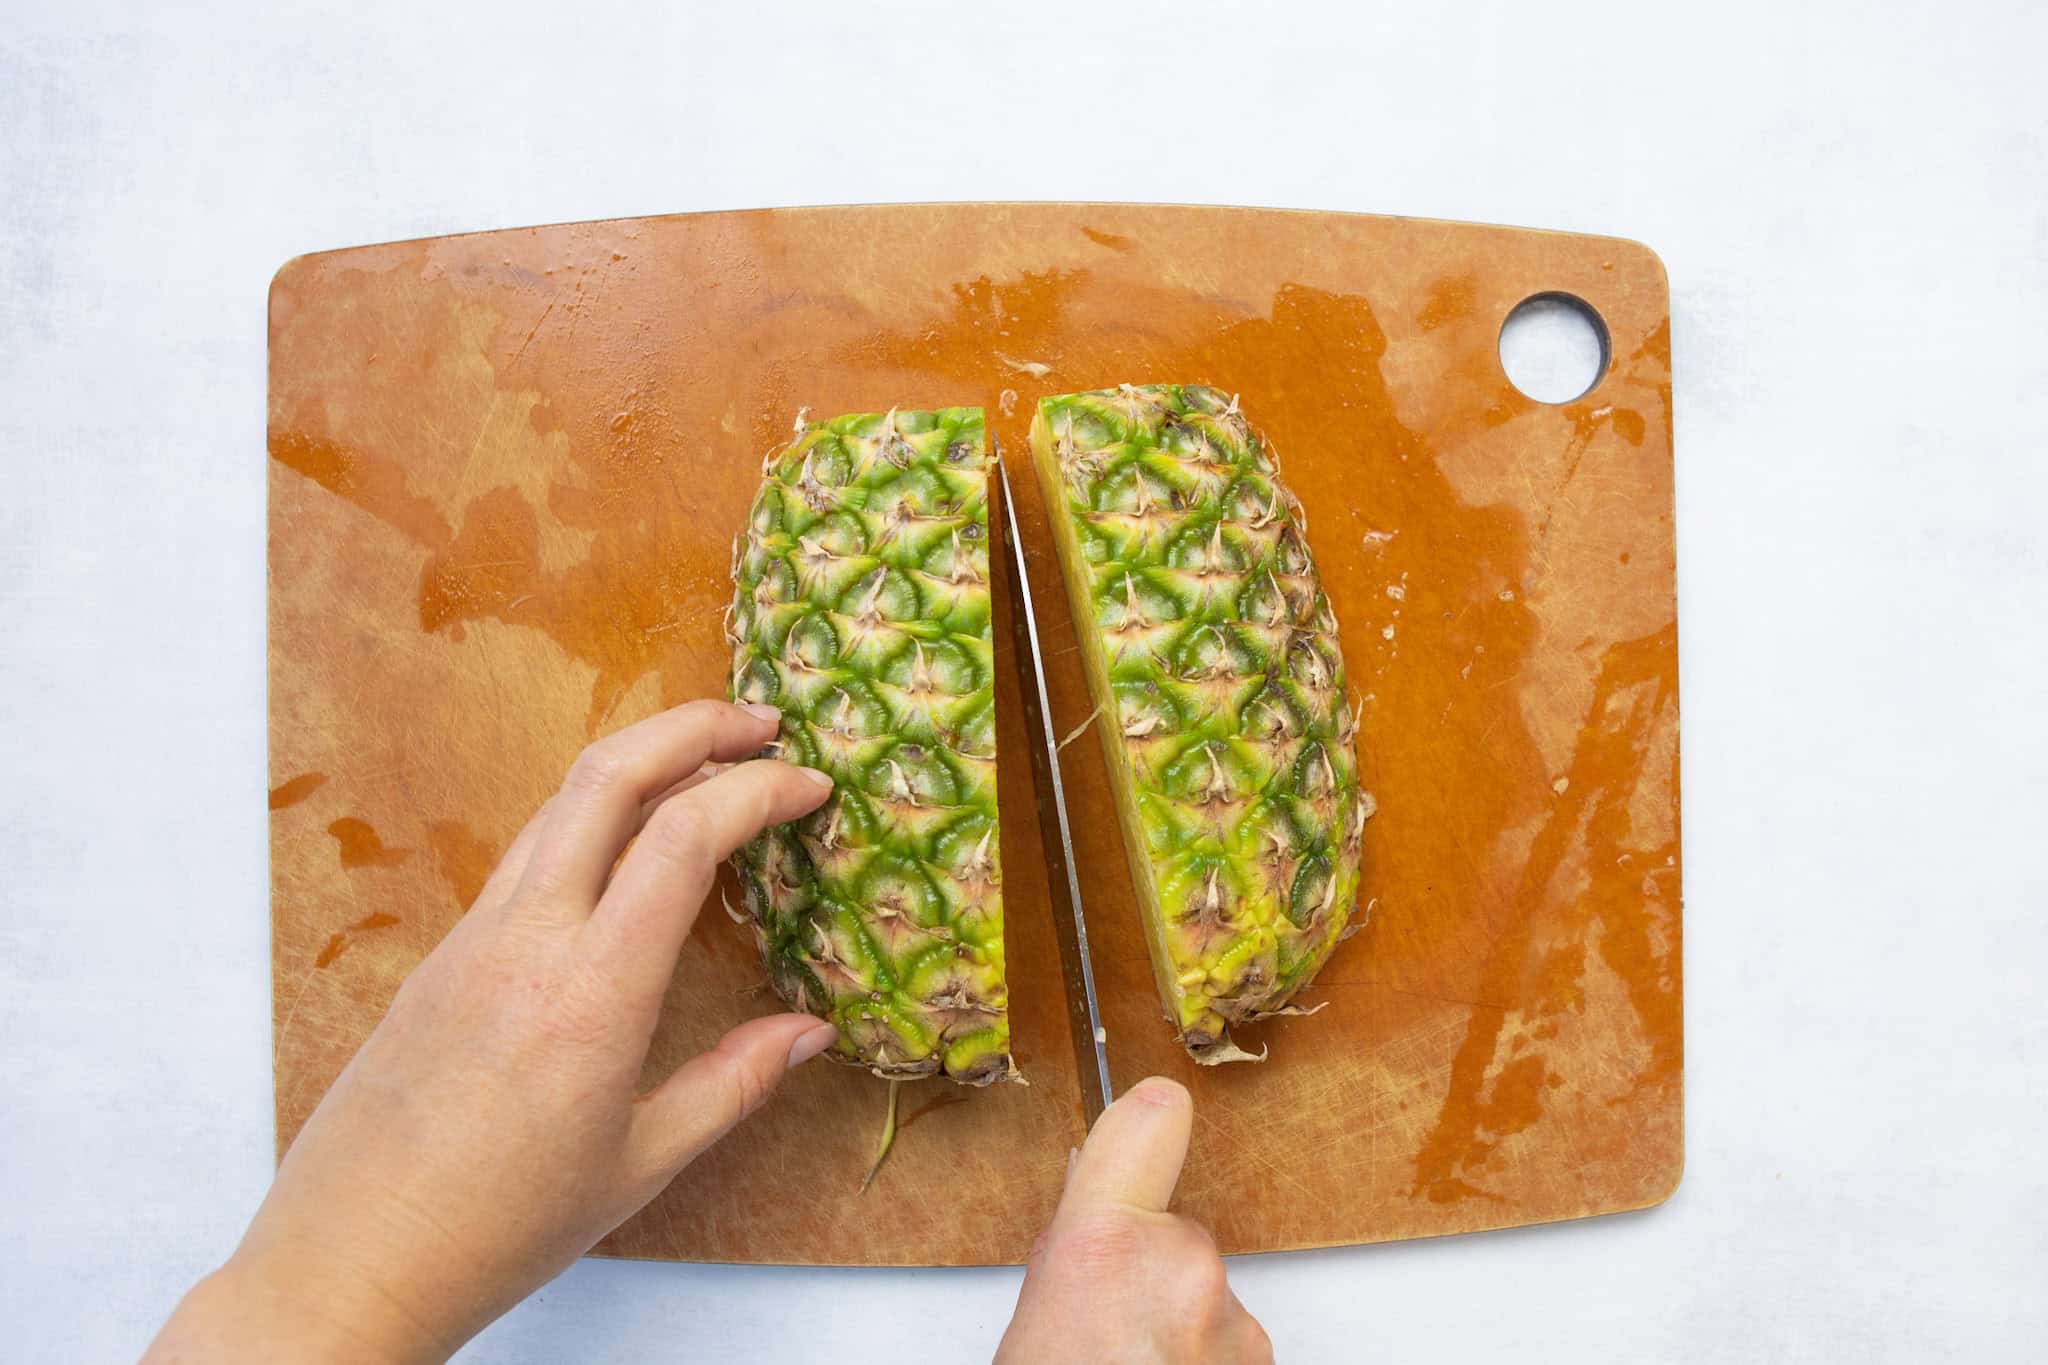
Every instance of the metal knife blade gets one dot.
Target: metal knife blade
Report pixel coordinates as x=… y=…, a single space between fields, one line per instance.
x=1084 y=1015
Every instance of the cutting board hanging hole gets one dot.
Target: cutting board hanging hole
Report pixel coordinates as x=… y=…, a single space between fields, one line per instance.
x=1554 y=347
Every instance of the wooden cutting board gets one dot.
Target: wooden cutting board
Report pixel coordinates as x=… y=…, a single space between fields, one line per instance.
x=505 y=473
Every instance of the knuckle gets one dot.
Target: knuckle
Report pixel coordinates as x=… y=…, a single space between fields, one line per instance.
x=748 y=1090
x=1098 y=1242
x=598 y=768
x=1201 y=1279
x=575 y=1009
x=1196 y=1277
x=675 y=832
x=1194 y=1237
x=775 y=784
x=762 y=773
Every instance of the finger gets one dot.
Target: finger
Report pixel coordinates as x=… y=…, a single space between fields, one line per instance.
x=598 y=807
x=710 y=1093
x=1133 y=1157
x=653 y=900
x=512 y=866
x=695 y=779
x=498 y=886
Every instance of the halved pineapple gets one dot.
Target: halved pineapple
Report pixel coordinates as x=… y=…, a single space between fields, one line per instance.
x=861 y=609
x=1212 y=655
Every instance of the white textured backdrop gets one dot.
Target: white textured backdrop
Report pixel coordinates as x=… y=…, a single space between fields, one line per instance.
x=1854 y=211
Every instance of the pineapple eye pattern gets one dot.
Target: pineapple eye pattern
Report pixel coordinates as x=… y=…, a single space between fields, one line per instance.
x=1215 y=654
x=861 y=609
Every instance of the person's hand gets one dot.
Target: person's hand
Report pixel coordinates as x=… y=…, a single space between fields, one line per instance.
x=1116 y=1278
x=492 y=1128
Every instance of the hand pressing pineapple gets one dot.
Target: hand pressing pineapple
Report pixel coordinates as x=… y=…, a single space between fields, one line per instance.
x=491 y=1129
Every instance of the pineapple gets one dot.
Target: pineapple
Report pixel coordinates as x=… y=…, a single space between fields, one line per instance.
x=861 y=609
x=1212 y=655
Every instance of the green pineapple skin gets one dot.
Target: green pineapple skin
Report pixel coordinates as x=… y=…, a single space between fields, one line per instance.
x=1225 y=718
x=861 y=609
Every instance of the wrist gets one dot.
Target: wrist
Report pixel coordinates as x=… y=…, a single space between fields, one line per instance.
x=267 y=1306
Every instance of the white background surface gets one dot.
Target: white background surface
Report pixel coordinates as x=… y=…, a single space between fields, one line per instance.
x=1854 y=212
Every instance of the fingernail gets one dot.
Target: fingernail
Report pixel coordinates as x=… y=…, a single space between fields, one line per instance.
x=823 y=779
x=811 y=1044
x=762 y=710
x=1158 y=1090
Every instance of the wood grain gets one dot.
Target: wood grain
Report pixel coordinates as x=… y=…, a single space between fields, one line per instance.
x=505 y=474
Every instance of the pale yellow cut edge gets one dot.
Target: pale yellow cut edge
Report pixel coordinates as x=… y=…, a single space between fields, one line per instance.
x=1074 y=571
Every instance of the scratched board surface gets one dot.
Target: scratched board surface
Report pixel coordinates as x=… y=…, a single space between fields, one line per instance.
x=505 y=471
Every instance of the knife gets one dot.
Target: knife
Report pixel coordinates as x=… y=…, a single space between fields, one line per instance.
x=1084 y=1014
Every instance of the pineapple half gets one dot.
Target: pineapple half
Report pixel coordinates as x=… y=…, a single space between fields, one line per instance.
x=861 y=609
x=1212 y=656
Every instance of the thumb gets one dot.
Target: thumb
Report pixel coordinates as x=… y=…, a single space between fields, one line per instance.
x=713 y=1091
x=1133 y=1157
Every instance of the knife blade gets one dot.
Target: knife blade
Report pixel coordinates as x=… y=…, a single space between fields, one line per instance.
x=1084 y=1014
